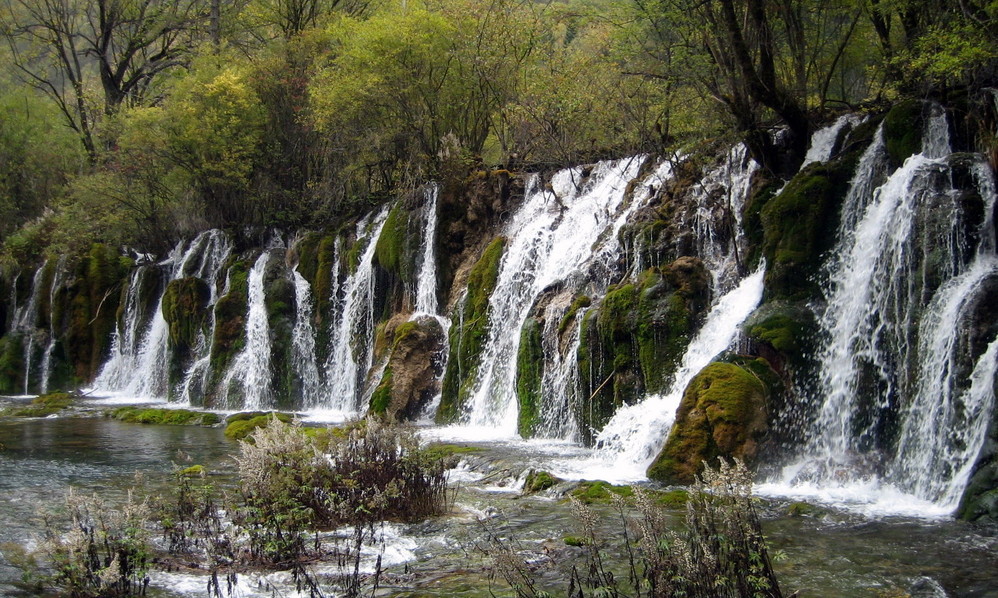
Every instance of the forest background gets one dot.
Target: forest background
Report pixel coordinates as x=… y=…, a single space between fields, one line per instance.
x=137 y=123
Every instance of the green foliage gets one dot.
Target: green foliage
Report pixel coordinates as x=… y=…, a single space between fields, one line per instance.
x=169 y=417
x=43 y=406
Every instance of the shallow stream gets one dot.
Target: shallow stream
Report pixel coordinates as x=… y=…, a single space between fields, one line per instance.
x=829 y=552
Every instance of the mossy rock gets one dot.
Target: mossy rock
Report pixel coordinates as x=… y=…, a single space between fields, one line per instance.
x=786 y=327
x=11 y=364
x=723 y=414
x=44 y=406
x=803 y=509
x=529 y=378
x=539 y=481
x=600 y=492
x=903 y=127
x=90 y=307
x=167 y=417
x=194 y=471
x=230 y=320
x=799 y=226
x=241 y=427
x=410 y=379
x=449 y=454
x=185 y=309
x=468 y=333
x=577 y=541
x=578 y=303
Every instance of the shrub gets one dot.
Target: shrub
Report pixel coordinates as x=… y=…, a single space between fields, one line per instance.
x=721 y=553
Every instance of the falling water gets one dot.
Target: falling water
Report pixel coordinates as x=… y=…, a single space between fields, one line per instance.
x=26 y=320
x=631 y=439
x=250 y=369
x=351 y=347
x=426 y=286
x=550 y=237
x=57 y=281
x=823 y=141
x=303 y=343
x=138 y=366
x=901 y=281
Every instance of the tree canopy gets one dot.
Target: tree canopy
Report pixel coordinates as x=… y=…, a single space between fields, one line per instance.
x=136 y=122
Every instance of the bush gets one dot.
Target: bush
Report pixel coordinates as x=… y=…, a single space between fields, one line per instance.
x=99 y=552
x=721 y=553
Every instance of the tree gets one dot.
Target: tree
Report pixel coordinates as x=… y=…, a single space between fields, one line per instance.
x=76 y=50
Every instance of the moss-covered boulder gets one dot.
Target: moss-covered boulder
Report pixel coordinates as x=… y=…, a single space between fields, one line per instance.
x=799 y=226
x=319 y=263
x=90 y=308
x=44 y=405
x=241 y=425
x=185 y=309
x=410 y=379
x=723 y=413
x=11 y=364
x=538 y=481
x=395 y=258
x=468 y=332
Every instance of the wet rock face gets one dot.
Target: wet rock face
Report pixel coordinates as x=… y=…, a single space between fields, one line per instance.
x=185 y=309
x=410 y=380
x=723 y=414
x=633 y=340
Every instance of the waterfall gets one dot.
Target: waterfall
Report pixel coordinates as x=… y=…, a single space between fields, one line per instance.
x=26 y=322
x=823 y=141
x=138 y=365
x=57 y=282
x=250 y=368
x=426 y=283
x=550 y=238
x=898 y=419
x=214 y=251
x=636 y=433
x=352 y=339
x=303 y=343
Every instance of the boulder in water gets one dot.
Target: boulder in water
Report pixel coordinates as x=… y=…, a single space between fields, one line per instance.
x=409 y=381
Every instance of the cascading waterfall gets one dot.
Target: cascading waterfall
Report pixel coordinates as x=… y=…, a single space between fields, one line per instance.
x=550 y=237
x=138 y=366
x=303 y=344
x=630 y=440
x=57 y=282
x=823 y=141
x=213 y=249
x=26 y=321
x=426 y=282
x=249 y=374
x=902 y=278
x=351 y=344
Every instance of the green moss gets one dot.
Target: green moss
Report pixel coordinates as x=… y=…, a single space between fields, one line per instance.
x=248 y=415
x=90 y=306
x=579 y=302
x=799 y=227
x=529 y=378
x=11 y=364
x=44 y=405
x=722 y=414
x=240 y=429
x=382 y=396
x=449 y=453
x=395 y=251
x=903 y=128
x=185 y=304
x=467 y=334
x=230 y=320
x=803 y=509
x=577 y=541
x=194 y=471
x=168 y=417
x=538 y=481
x=600 y=492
